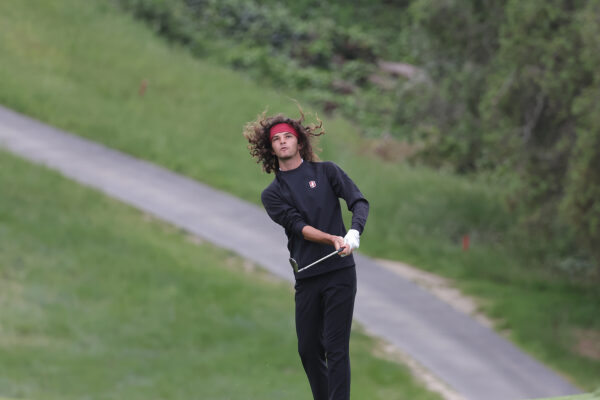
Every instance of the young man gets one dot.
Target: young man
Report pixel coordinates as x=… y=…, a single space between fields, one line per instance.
x=304 y=199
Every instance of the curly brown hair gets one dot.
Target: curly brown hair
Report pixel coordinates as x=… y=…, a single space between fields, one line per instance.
x=257 y=134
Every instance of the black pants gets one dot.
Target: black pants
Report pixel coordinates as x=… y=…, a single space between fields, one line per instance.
x=324 y=308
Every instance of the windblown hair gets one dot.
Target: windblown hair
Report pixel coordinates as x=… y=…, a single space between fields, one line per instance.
x=257 y=134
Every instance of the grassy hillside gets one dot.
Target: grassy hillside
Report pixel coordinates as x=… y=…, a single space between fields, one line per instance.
x=101 y=302
x=588 y=396
x=79 y=66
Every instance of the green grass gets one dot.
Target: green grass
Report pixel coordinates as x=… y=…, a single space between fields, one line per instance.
x=100 y=301
x=587 y=396
x=78 y=65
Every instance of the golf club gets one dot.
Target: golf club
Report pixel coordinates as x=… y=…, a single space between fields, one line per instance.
x=294 y=264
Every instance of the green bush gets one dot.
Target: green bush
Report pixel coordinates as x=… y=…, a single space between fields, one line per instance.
x=513 y=89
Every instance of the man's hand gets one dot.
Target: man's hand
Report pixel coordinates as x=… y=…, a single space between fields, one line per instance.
x=352 y=239
x=338 y=242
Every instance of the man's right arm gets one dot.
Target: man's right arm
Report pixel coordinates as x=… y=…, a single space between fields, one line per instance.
x=291 y=219
x=315 y=235
x=282 y=213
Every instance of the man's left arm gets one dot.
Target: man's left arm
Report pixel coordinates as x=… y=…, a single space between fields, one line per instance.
x=346 y=189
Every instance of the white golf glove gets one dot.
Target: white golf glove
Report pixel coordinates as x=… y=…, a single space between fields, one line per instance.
x=352 y=239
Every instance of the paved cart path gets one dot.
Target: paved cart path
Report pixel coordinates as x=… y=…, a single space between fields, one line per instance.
x=470 y=358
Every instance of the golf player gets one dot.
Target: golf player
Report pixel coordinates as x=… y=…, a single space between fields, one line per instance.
x=304 y=199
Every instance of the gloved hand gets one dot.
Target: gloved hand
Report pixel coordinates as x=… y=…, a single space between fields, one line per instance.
x=352 y=239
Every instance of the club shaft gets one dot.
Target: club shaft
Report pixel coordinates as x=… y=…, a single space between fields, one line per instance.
x=318 y=261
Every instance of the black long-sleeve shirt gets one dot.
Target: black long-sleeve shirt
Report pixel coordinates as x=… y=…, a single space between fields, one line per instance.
x=309 y=195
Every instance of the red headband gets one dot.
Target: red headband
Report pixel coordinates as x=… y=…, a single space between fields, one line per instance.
x=282 y=127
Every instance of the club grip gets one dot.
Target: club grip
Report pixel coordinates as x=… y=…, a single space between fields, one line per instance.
x=341 y=249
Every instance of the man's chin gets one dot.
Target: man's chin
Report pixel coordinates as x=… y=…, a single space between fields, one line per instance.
x=286 y=157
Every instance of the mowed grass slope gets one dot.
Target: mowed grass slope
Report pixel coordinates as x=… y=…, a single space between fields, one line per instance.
x=587 y=396
x=100 y=301
x=79 y=66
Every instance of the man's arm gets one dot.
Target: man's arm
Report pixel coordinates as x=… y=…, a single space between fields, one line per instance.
x=281 y=212
x=346 y=189
x=315 y=235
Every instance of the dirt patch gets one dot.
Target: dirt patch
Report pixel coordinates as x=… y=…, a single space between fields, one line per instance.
x=442 y=288
x=391 y=353
x=194 y=239
x=587 y=343
x=390 y=149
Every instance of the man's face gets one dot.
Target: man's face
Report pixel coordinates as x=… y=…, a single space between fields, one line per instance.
x=285 y=145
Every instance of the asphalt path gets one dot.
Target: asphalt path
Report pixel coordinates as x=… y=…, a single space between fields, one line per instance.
x=471 y=359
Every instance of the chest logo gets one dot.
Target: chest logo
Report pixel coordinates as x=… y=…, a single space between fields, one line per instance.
x=312 y=184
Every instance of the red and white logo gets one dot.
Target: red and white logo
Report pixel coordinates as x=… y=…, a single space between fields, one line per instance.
x=312 y=184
